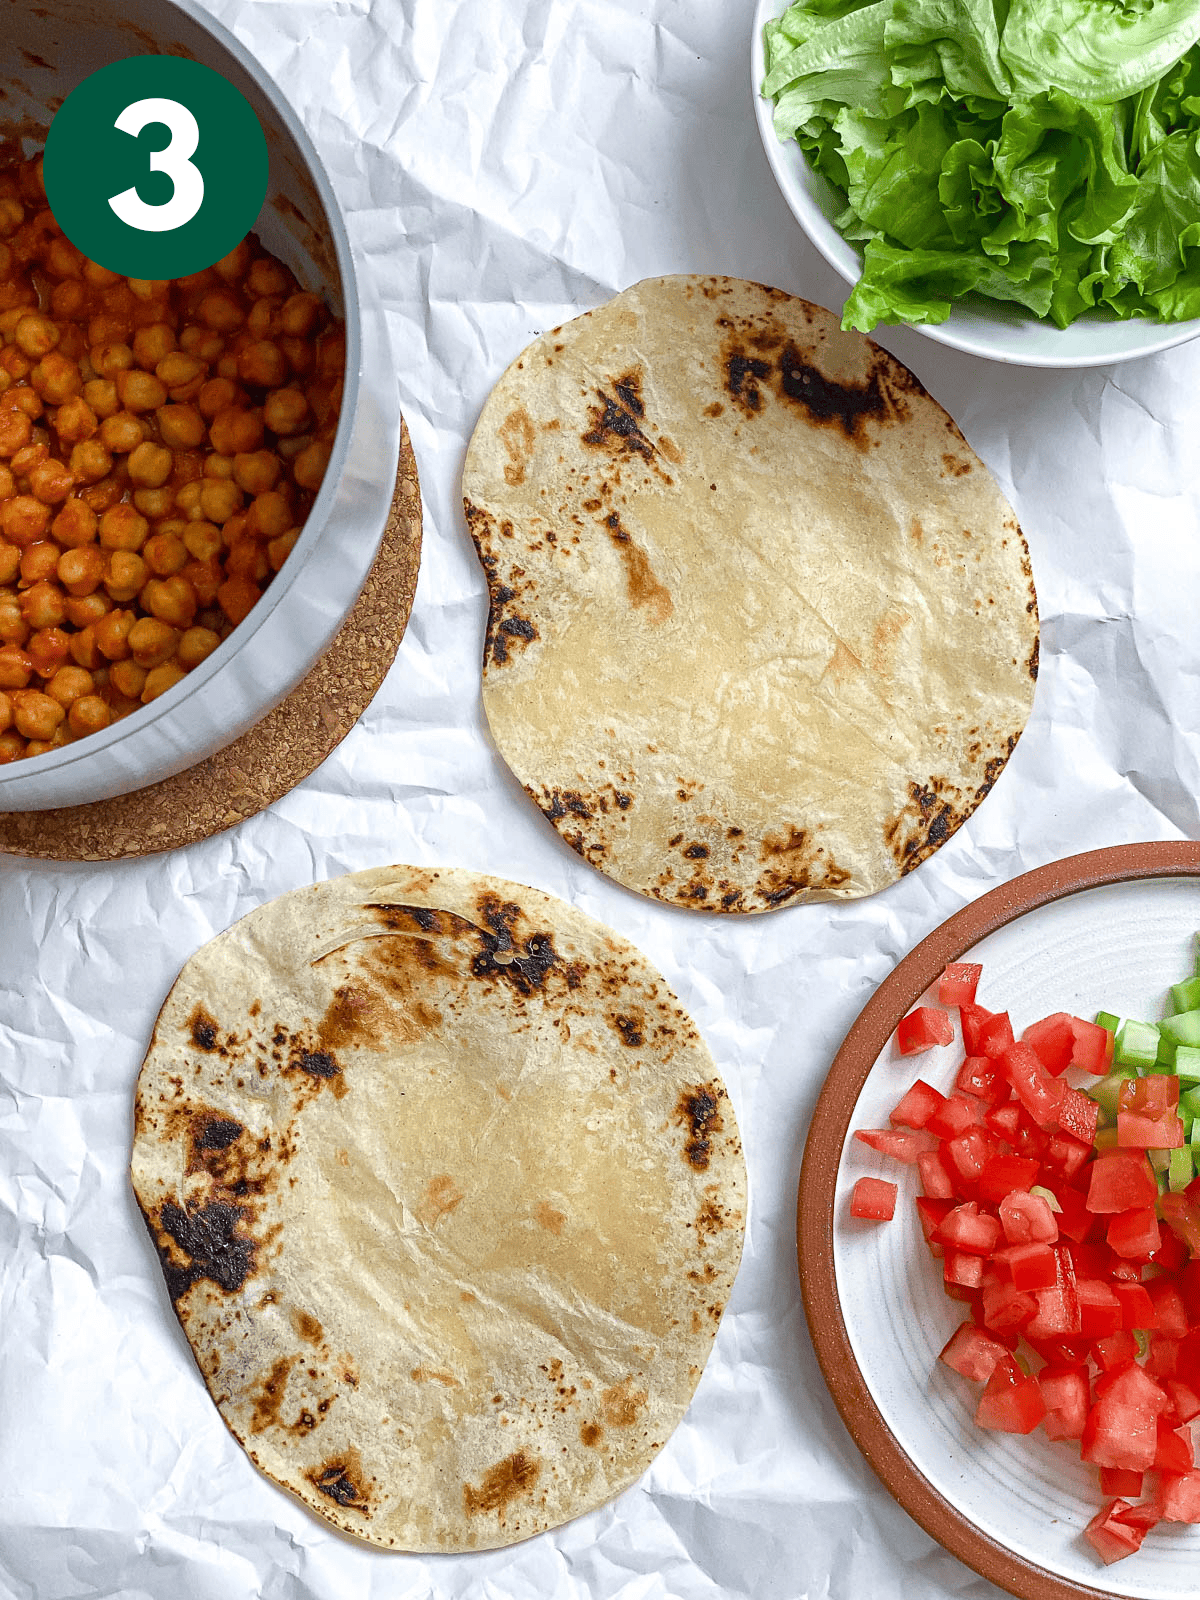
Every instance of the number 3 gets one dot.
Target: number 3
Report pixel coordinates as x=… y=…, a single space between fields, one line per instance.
x=174 y=160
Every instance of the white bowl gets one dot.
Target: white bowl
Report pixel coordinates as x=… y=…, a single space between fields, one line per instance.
x=45 y=50
x=983 y=327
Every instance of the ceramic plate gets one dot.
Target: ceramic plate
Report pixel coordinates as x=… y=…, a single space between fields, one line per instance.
x=1110 y=930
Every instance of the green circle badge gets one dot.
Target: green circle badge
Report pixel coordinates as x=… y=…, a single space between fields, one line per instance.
x=155 y=167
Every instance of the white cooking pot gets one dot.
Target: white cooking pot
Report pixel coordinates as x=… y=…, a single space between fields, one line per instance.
x=45 y=50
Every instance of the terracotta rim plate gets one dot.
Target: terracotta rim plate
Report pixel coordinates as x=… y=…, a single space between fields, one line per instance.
x=1011 y=1508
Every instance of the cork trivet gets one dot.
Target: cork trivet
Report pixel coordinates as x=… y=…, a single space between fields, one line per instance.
x=278 y=752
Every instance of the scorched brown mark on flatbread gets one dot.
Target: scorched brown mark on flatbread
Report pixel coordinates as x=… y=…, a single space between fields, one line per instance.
x=507 y=629
x=203 y=1029
x=699 y=1110
x=507 y=1481
x=342 y=1479
x=797 y=864
x=623 y=1404
x=617 y=424
x=828 y=403
x=207 y=1236
x=267 y=1398
x=518 y=437
x=442 y=1195
x=631 y=1029
x=521 y=959
x=641 y=585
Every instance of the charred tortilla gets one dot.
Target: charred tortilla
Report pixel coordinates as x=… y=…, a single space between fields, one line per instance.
x=448 y=1197
x=763 y=628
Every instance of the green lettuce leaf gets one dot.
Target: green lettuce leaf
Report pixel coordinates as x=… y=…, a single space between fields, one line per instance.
x=1047 y=154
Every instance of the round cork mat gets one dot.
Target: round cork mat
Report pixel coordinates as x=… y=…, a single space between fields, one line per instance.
x=277 y=753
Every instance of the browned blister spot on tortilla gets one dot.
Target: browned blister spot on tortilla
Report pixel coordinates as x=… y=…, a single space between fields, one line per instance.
x=267 y=1395
x=936 y=809
x=955 y=466
x=631 y=1030
x=549 y=1218
x=699 y=1110
x=797 y=864
x=508 y=629
x=507 y=1481
x=623 y=1404
x=591 y=1433
x=203 y=1029
x=209 y=1240
x=518 y=436
x=432 y=1375
x=643 y=588
x=442 y=1195
x=307 y=1327
x=342 y=1479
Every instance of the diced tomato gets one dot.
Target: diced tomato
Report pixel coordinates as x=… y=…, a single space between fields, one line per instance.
x=1079 y=1115
x=930 y=1212
x=1137 y=1308
x=1119 y=1480
x=980 y=1076
x=915 y=1108
x=1031 y=1265
x=1152 y=1096
x=962 y=1269
x=1065 y=1155
x=1136 y=1131
x=1115 y=1350
x=1004 y=1119
x=1134 y=1234
x=967 y=1228
x=1011 y=1402
x=1168 y=1307
x=973 y=1352
x=1121 y=1180
x=1110 y=1537
x=1039 y=1091
x=899 y=1143
x=1090 y=1260
x=874 y=1200
x=1175 y=1453
x=1006 y=1308
x=995 y=1036
x=1053 y=1041
x=1162 y=1359
x=957 y=984
x=1172 y=1253
x=1099 y=1308
x=1121 y=1429
x=1067 y=1397
x=966 y=1157
x=972 y=1017
x=1188 y=1281
x=922 y=1029
x=1074 y=1219
x=935 y=1180
x=954 y=1116
x=1027 y=1219
x=1004 y=1174
x=1058 y=1308
x=1093 y=1047
x=1179 y=1497
x=1185 y=1402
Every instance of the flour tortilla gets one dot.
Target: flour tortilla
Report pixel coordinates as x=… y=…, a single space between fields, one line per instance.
x=449 y=1199
x=762 y=628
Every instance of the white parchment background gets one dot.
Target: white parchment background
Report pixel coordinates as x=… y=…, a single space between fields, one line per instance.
x=505 y=164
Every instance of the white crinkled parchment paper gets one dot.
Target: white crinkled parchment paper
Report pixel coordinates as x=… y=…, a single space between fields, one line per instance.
x=503 y=165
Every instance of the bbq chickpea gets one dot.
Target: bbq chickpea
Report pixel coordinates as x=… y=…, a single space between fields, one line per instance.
x=24 y=519
x=220 y=498
x=150 y=465
x=237 y=597
x=44 y=605
x=10 y=561
x=234 y=431
x=75 y=421
x=37 y=715
x=160 y=679
x=16 y=667
x=151 y=642
x=36 y=335
x=16 y=430
x=221 y=311
x=123 y=528
x=81 y=570
x=153 y=343
x=75 y=524
x=51 y=482
x=121 y=433
x=39 y=561
x=87 y=715
x=285 y=411
x=256 y=471
x=181 y=426
x=140 y=391
x=56 y=378
x=195 y=646
x=112 y=634
x=165 y=554
x=48 y=648
x=202 y=540
x=101 y=395
x=128 y=678
x=171 y=600
x=125 y=576
x=309 y=466
x=69 y=684
x=300 y=314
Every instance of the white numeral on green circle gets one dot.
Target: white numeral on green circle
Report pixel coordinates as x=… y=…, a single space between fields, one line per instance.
x=174 y=160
